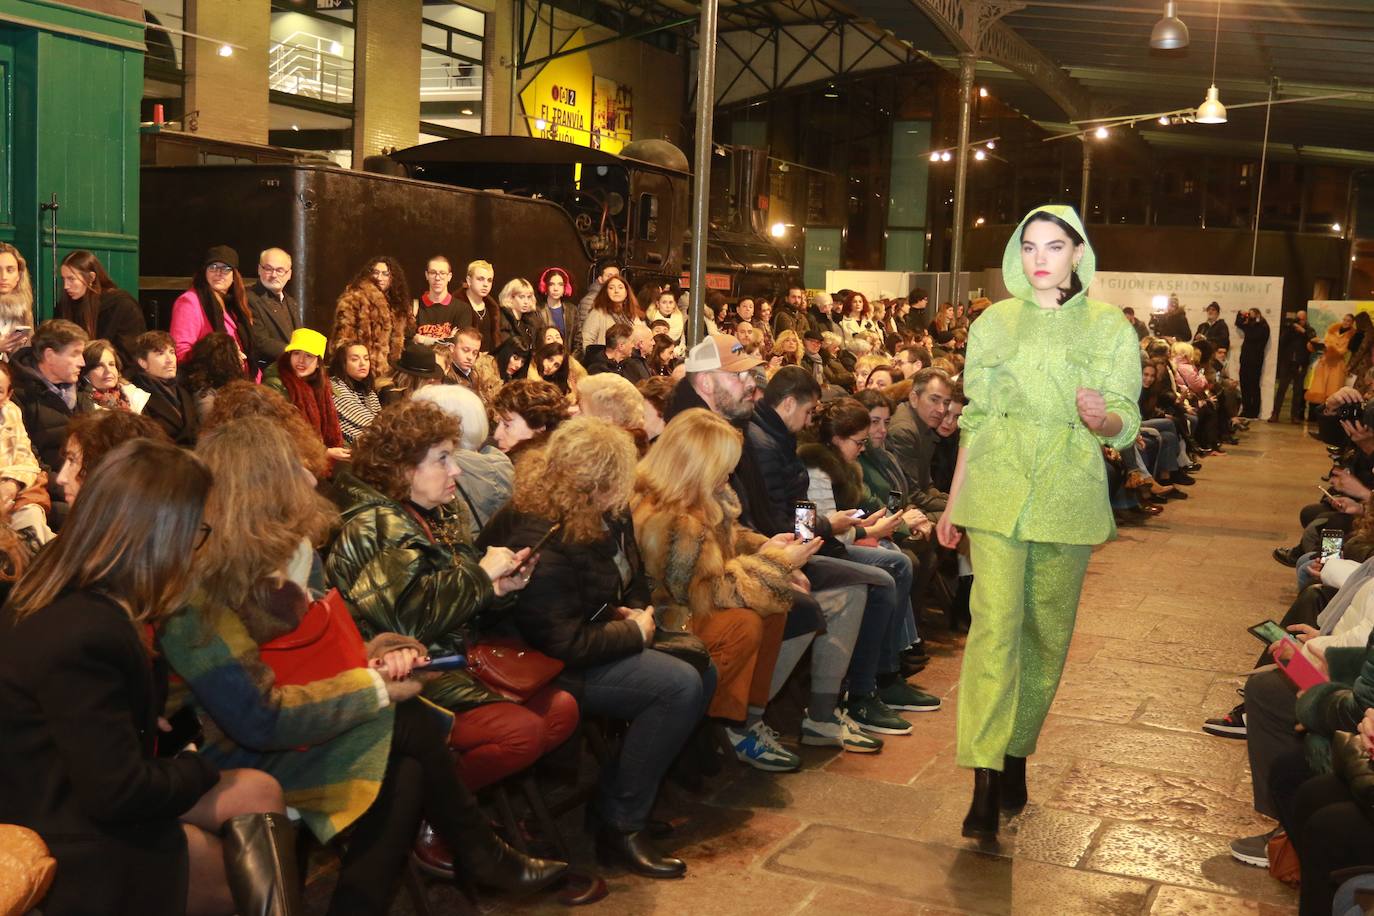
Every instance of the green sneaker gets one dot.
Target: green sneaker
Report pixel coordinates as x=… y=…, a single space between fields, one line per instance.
x=903 y=696
x=872 y=715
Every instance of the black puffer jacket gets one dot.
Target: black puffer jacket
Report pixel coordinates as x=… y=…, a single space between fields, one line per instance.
x=45 y=414
x=569 y=586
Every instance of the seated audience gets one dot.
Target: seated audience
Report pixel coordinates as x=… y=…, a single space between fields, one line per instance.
x=102 y=385
x=362 y=751
x=613 y=399
x=241 y=399
x=729 y=586
x=80 y=696
x=416 y=368
x=216 y=301
x=912 y=436
x=212 y=364
x=45 y=380
x=354 y=389
x=91 y=437
x=16 y=301
x=527 y=411
x=618 y=355
x=170 y=402
x=300 y=376
x=488 y=477
x=91 y=300
x=276 y=314
x=656 y=392
x=375 y=309
x=554 y=365
x=587 y=604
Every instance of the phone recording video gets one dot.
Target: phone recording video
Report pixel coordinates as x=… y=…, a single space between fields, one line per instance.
x=1332 y=541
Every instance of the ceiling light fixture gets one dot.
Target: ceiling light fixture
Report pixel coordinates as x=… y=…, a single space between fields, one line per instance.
x=1211 y=111
x=1169 y=33
x=992 y=144
x=1102 y=133
x=335 y=48
x=226 y=51
x=1164 y=121
x=945 y=156
x=935 y=157
x=982 y=92
x=979 y=155
x=777 y=230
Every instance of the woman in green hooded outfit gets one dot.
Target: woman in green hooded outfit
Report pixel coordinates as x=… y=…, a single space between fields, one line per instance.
x=1051 y=377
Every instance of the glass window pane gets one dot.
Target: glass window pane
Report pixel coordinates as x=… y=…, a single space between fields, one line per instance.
x=822 y=254
x=311 y=57
x=451 y=81
x=905 y=250
x=910 y=173
x=164 y=48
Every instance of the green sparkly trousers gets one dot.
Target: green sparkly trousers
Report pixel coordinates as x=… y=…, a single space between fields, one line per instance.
x=1025 y=598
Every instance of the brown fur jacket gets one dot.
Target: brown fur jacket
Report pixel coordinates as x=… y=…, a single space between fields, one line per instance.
x=696 y=570
x=362 y=313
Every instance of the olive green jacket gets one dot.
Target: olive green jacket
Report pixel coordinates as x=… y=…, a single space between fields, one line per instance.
x=1033 y=470
x=397 y=579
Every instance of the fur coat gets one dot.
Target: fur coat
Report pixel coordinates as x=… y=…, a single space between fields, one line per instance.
x=696 y=570
x=362 y=313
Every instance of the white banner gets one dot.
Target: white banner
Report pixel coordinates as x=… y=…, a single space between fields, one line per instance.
x=1149 y=293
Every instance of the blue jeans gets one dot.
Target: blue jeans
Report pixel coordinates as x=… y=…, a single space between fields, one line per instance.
x=889 y=606
x=1168 y=459
x=663 y=698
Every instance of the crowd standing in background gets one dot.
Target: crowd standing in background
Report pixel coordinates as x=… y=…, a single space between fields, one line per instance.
x=540 y=469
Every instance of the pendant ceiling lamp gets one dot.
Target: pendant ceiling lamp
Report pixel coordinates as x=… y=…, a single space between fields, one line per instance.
x=1211 y=111
x=1169 y=33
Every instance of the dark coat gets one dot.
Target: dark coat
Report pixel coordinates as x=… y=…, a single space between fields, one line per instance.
x=785 y=318
x=273 y=321
x=912 y=443
x=119 y=320
x=775 y=451
x=1214 y=332
x=570 y=584
x=821 y=322
x=397 y=578
x=489 y=324
x=1255 y=334
x=45 y=414
x=1293 y=343
x=572 y=324
x=172 y=406
x=78 y=710
x=632 y=368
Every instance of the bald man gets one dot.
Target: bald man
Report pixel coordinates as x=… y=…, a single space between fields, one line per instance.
x=275 y=313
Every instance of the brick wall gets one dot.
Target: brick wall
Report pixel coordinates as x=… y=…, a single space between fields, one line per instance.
x=229 y=92
x=387 y=96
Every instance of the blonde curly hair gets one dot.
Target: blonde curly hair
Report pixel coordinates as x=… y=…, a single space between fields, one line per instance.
x=586 y=469
x=611 y=397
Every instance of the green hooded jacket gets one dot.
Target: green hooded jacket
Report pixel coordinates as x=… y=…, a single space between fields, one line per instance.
x=1034 y=472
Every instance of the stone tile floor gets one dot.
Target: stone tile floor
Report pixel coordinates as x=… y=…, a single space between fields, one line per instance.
x=1132 y=805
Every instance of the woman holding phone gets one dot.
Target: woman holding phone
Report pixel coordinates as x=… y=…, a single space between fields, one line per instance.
x=1051 y=377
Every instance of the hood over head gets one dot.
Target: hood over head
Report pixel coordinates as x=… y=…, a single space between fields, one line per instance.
x=1014 y=275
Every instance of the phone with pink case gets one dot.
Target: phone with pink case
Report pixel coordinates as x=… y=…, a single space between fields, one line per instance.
x=1288 y=655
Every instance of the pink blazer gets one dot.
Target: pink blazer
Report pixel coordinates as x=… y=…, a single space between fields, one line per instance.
x=189 y=323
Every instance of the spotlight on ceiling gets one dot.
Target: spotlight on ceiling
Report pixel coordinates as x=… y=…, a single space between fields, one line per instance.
x=979 y=155
x=226 y=51
x=982 y=92
x=335 y=48
x=777 y=230
x=992 y=144
x=1164 y=120
x=935 y=157
x=1169 y=33
x=945 y=156
x=1102 y=133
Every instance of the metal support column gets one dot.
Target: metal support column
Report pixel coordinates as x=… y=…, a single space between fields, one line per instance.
x=701 y=165
x=967 y=62
x=1087 y=180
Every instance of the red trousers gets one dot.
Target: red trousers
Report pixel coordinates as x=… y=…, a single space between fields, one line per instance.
x=496 y=740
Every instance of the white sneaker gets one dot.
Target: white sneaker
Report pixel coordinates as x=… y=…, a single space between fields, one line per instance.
x=842 y=732
x=758 y=746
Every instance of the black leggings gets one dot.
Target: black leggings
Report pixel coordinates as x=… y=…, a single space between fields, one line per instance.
x=420 y=781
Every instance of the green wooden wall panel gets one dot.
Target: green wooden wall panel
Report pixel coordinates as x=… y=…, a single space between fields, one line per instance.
x=70 y=128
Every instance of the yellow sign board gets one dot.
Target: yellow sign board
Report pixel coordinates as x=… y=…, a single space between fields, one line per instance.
x=612 y=115
x=558 y=101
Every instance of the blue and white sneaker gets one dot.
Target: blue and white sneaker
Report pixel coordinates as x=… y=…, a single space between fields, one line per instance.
x=758 y=746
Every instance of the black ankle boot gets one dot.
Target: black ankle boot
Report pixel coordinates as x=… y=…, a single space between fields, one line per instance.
x=981 y=820
x=961 y=618
x=260 y=863
x=492 y=862
x=1011 y=794
x=633 y=851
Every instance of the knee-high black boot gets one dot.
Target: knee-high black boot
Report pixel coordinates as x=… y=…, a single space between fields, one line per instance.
x=981 y=820
x=260 y=862
x=1012 y=792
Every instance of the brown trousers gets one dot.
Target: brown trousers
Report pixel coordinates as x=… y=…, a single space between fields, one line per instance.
x=745 y=648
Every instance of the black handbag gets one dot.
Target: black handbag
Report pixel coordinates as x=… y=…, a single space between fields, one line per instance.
x=683 y=646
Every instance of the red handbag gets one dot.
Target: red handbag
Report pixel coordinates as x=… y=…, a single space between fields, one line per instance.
x=512 y=668
x=325 y=643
